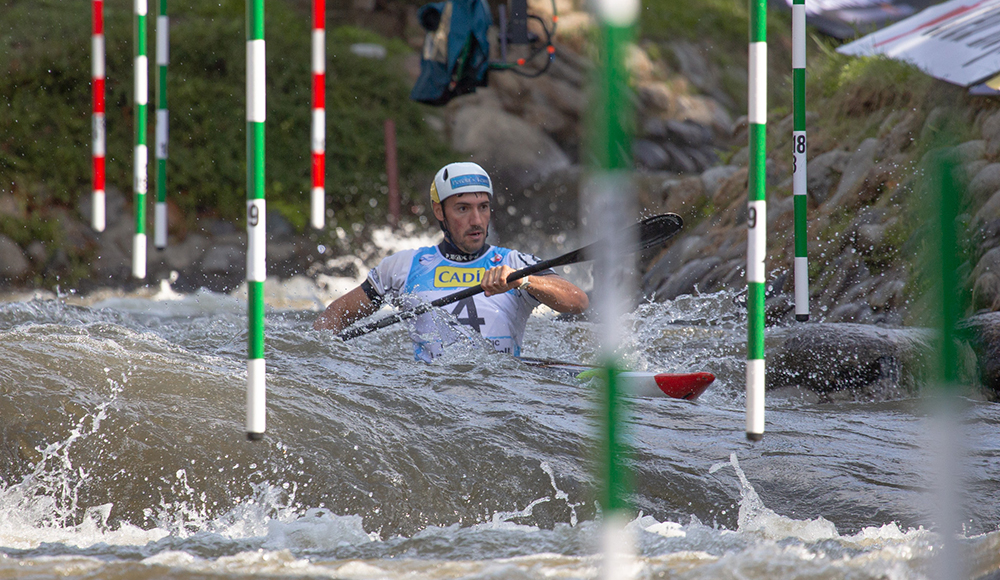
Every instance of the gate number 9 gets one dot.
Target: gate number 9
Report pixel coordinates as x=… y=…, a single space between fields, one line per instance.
x=253 y=215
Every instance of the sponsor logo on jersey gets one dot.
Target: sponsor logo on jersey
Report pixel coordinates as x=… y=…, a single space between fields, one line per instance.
x=496 y=258
x=450 y=277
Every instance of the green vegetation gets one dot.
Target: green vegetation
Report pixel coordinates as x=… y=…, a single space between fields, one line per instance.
x=45 y=105
x=721 y=28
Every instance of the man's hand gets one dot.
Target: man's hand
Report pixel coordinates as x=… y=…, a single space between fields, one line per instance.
x=555 y=292
x=495 y=280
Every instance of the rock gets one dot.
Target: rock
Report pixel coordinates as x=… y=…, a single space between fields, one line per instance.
x=515 y=153
x=704 y=111
x=568 y=66
x=12 y=207
x=971 y=150
x=851 y=181
x=982 y=332
x=649 y=155
x=681 y=195
x=685 y=280
x=638 y=63
x=870 y=237
x=37 y=251
x=741 y=158
x=695 y=67
x=984 y=184
x=713 y=178
x=114 y=205
x=937 y=120
x=989 y=210
x=971 y=168
x=539 y=112
x=222 y=259
x=846 y=271
x=669 y=262
x=822 y=173
x=848 y=312
x=185 y=254
x=13 y=263
x=680 y=161
x=986 y=293
x=278 y=227
x=111 y=262
x=778 y=208
x=703 y=158
x=564 y=96
x=899 y=130
x=888 y=294
x=733 y=188
x=688 y=133
x=858 y=361
x=991 y=133
x=654 y=128
x=658 y=98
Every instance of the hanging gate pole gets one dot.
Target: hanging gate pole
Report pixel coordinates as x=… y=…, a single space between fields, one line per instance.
x=256 y=222
x=141 y=147
x=162 y=127
x=318 y=198
x=97 y=218
x=800 y=160
x=756 y=220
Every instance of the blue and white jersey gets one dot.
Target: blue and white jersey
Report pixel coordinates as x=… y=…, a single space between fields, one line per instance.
x=411 y=277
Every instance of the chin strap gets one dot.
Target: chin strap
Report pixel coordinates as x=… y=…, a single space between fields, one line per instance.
x=453 y=252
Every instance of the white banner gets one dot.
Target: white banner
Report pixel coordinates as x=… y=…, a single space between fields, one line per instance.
x=845 y=18
x=956 y=41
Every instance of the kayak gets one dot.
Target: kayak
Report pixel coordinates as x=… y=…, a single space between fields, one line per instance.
x=637 y=383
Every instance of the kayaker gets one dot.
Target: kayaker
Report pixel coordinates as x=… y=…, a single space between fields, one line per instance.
x=461 y=198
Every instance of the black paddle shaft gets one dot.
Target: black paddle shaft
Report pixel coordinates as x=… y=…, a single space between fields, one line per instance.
x=649 y=233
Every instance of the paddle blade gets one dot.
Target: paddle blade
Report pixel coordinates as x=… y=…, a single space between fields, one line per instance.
x=656 y=230
x=648 y=233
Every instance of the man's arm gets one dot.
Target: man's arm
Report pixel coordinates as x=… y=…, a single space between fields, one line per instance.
x=344 y=311
x=557 y=293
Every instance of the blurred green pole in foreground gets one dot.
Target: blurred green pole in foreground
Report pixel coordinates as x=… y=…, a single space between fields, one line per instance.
x=610 y=201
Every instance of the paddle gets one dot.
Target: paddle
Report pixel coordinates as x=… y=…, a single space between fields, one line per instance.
x=649 y=232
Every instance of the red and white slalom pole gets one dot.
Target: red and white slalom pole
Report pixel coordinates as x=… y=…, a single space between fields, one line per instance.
x=318 y=204
x=97 y=130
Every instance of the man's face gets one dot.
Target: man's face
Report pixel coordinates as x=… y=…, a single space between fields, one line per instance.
x=467 y=217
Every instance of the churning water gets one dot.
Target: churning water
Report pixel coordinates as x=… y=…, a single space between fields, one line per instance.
x=123 y=456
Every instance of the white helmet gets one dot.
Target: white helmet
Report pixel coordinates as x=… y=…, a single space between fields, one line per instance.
x=463 y=177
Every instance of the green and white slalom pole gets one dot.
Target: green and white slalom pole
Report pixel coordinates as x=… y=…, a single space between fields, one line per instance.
x=141 y=146
x=610 y=200
x=97 y=73
x=756 y=220
x=162 y=128
x=800 y=160
x=256 y=223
